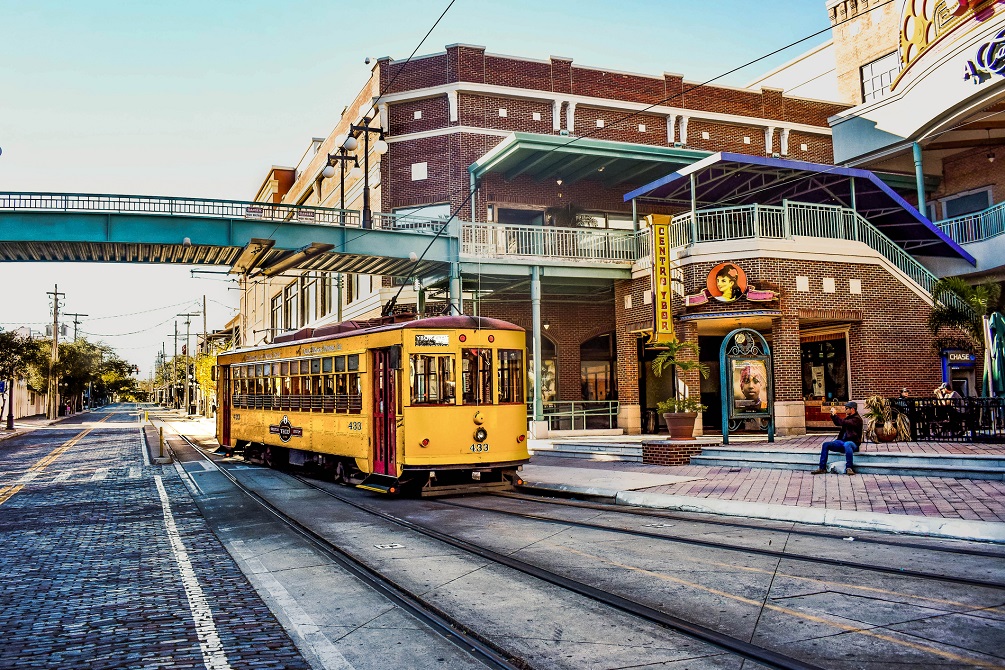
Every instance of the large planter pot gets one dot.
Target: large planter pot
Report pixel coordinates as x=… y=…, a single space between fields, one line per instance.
x=885 y=435
x=680 y=424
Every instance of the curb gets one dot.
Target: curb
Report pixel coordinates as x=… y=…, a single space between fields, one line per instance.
x=956 y=529
x=148 y=445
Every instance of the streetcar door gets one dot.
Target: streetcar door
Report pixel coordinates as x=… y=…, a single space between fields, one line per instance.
x=384 y=415
x=223 y=401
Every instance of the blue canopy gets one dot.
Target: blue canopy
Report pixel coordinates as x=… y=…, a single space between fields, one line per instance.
x=728 y=179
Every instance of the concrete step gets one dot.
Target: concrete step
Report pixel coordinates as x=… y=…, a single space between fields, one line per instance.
x=623 y=452
x=911 y=465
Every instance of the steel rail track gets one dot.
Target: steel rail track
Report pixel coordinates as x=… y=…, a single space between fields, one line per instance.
x=734 y=645
x=663 y=514
x=448 y=627
x=837 y=562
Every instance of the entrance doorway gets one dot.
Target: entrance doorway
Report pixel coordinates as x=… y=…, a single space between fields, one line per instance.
x=384 y=414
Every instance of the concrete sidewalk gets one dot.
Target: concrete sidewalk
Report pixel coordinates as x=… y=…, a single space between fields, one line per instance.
x=27 y=424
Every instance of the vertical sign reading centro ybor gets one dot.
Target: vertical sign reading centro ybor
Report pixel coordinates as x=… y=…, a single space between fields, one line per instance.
x=663 y=297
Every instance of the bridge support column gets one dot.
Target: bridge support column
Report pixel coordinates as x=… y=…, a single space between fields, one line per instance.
x=456 y=304
x=535 y=310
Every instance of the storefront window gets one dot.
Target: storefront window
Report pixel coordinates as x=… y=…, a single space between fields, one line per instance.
x=825 y=369
x=476 y=376
x=510 y=375
x=549 y=370
x=432 y=379
x=596 y=367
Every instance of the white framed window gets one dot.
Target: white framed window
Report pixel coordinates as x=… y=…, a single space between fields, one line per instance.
x=878 y=75
x=966 y=202
x=829 y=285
x=420 y=171
x=855 y=286
x=803 y=284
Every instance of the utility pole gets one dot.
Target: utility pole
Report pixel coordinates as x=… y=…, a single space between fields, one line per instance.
x=174 y=367
x=54 y=356
x=76 y=322
x=188 y=333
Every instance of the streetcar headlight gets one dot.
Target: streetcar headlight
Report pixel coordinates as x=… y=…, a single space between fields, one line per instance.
x=481 y=434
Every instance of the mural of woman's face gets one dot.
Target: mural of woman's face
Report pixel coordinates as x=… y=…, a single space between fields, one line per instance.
x=725 y=284
x=751 y=386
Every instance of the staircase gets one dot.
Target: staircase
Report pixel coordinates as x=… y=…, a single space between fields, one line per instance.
x=629 y=452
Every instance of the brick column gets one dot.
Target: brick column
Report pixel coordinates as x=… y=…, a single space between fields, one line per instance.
x=790 y=410
x=627 y=353
x=687 y=331
x=561 y=74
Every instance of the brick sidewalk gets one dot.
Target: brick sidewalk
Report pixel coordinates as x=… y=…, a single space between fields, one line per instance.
x=979 y=500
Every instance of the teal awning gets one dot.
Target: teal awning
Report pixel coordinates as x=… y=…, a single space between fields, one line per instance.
x=572 y=159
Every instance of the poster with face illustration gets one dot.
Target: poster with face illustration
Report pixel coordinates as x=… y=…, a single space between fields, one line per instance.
x=727 y=282
x=750 y=387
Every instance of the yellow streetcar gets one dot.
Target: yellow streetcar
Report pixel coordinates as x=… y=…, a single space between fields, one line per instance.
x=435 y=405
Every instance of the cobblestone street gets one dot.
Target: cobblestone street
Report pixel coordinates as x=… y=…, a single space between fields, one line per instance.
x=89 y=575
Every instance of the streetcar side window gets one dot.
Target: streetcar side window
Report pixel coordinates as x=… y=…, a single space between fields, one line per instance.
x=476 y=376
x=432 y=379
x=511 y=385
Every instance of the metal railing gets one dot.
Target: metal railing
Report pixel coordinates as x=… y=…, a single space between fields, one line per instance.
x=497 y=240
x=419 y=224
x=975 y=227
x=578 y=414
x=795 y=219
x=957 y=420
x=168 y=206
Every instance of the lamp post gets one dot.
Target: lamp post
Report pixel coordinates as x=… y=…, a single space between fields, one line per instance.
x=379 y=148
x=188 y=332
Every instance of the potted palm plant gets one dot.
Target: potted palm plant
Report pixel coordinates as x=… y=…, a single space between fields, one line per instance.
x=679 y=411
x=884 y=421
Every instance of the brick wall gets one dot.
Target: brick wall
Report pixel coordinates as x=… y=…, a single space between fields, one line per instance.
x=669 y=453
x=862 y=37
x=970 y=170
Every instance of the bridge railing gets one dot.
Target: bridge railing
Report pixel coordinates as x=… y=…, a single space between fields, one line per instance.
x=169 y=206
x=975 y=227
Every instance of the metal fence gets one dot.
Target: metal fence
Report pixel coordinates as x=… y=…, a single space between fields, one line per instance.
x=496 y=240
x=977 y=226
x=959 y=420
x=579 y=414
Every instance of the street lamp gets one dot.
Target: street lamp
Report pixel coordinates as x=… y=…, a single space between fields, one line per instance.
x=341 y=156
x=379 y=148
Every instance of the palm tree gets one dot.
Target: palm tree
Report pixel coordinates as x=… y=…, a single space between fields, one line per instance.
x=670 y=357
x=960 y=307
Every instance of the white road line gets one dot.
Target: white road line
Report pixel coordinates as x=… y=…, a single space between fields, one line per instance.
x=102 y=473
x=305 y=630
x=63 y=476
x=213 y=654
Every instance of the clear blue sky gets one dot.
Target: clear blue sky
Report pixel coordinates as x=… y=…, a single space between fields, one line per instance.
x=200 y=98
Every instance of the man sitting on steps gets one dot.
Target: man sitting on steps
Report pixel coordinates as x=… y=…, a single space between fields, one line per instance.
x=848 y=440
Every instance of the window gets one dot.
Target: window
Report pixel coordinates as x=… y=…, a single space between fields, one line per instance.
x=511 y=388
x=432 y=378
x=476 y=376
x=276 y=323
x=597 y=364
x=433 y=211
x=309 y=297
x=966 y=203
x=549 y=369
x=290 y=311
x=878 y=75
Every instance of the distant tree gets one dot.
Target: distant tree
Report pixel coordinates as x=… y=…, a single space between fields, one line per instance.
x=17 y=355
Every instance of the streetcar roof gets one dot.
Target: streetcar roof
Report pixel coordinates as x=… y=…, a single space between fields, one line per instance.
x=352 y=328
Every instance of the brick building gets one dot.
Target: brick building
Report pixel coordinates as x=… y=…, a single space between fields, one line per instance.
x=534 y=158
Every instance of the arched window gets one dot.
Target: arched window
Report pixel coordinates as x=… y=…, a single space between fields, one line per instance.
x=597 y=368
x=549 y=369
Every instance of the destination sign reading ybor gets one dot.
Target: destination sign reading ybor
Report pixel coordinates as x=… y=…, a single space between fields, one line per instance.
x=432 y=340
x=661 y=278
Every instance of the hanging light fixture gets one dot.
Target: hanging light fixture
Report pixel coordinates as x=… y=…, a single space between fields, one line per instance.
x=991 y=153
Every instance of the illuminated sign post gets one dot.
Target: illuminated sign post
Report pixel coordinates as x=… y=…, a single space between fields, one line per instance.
x=663 y=303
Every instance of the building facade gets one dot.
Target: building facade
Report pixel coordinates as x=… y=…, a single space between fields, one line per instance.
x=528 y=163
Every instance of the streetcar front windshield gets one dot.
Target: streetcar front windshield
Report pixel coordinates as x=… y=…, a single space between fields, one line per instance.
x=432 y=379
x=511 y=376
x=476 y=376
